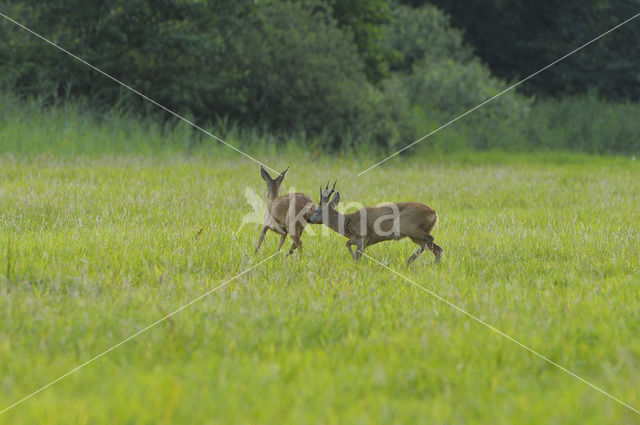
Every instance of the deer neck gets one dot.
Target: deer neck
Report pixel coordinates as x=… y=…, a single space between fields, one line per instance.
x=272 y=193
x=338 y=222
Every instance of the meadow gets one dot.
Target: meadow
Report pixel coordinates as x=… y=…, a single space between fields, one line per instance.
x=123 y=229
x=94 y=248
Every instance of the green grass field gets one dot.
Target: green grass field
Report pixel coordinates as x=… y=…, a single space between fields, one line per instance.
x=545 y=248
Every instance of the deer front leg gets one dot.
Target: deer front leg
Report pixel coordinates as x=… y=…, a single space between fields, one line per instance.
x=263 y=231
x=348 y=244
x=359 y=249
x=282 y=238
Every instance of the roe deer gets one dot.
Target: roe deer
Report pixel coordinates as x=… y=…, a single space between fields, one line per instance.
x=286 y=214
x=370 y=225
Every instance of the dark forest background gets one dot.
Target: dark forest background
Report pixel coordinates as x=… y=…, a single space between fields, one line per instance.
x=340 y=75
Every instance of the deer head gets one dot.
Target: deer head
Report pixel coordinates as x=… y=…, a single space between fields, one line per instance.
x=325 y=205
x=273 y=185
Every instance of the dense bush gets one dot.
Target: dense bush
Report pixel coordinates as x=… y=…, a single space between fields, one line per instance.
x=160 y=48
x=278 y=65
x=365 y=19
x=303 y=73
x=414 y=34
x=518 y=37
x=585 y=124
x=444 y=80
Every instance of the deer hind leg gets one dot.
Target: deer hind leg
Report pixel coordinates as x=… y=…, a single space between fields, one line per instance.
x=282 y=238
x=263 y=231
x=437 y=251
x=423 y=244
x=427 y=243
x=297 y=243
x=296 y=237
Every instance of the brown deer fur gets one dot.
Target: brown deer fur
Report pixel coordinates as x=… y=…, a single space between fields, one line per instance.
x=370 y=225
x=286 y=214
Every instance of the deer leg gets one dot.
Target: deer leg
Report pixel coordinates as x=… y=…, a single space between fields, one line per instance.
x=359 y=249
x=282 y=238
x=423 y=244
x=415 y=255
x=349 y=243
x=296 y=237
x=263 y=231
x=428 y=244
x=297 y=243
x=437 y=251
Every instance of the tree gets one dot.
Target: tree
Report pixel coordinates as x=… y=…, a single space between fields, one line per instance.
x=283 y=66
x=365 y=20
x=517 y=38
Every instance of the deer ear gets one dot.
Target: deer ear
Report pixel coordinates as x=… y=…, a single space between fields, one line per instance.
x=265 y=175
x=281 y=176
x=335 y=200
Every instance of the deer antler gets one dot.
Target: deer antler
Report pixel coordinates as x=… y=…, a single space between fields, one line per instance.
x=325 y=193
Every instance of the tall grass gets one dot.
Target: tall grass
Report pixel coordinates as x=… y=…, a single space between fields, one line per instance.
x=31 y=128
x=581 y=124
x=586 y=124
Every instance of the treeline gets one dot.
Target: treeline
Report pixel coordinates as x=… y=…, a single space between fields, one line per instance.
x=518 y=37
x=335 y=74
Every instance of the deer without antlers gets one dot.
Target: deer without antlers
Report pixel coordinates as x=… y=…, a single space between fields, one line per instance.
x=370 y=225
x=286 y=214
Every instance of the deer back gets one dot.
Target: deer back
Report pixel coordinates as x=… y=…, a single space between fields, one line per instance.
x=392 y=221
x=291 y=207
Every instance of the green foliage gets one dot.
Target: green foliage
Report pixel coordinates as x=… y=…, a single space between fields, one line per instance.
x=424 y=32
x=330 y=75
x=586 y=124
x=278 y=65
x=304 y=73
x=517 y=38
x=156 y=47
x=365 y=19
x=444 y=80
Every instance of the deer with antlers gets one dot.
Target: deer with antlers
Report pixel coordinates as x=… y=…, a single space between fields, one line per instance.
x=286 y=214
x=370 y=225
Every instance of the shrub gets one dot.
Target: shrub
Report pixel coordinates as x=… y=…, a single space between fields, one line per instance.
x=282 y=66
x=444 y=79
x=587 y=124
